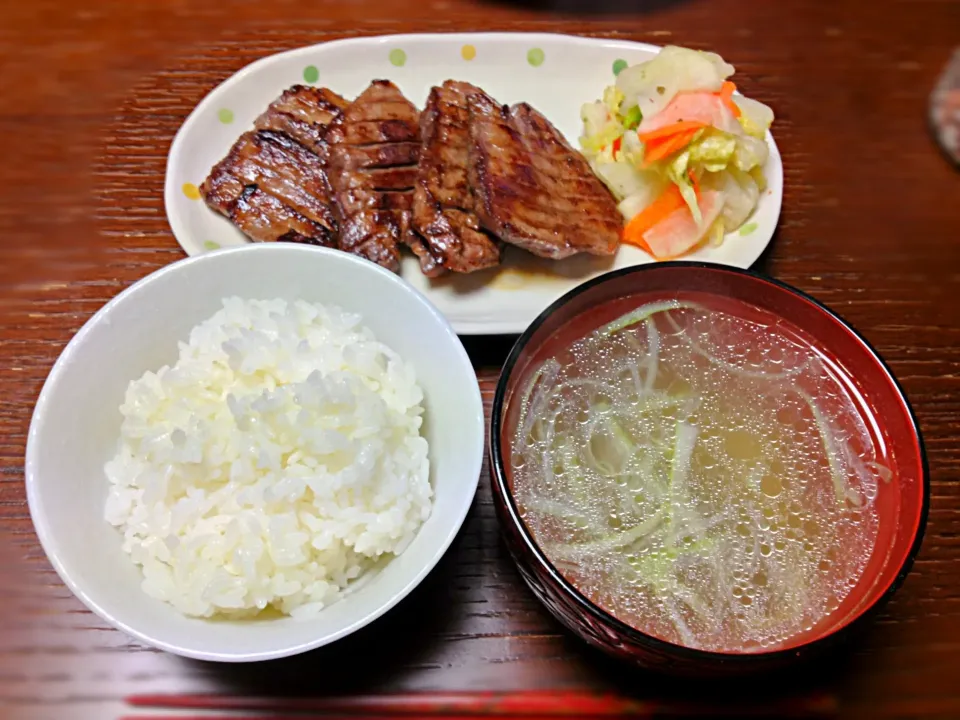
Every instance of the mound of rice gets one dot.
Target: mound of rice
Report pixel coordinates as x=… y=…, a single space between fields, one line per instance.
x=274 y=465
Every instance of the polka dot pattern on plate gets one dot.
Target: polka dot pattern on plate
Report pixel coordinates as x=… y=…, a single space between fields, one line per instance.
x=468 y=52
x=311 y=74
x=398 y=57
x=535 y=57
x=191 y=191
x=225 y=115
x=211 y=245
x=619 y=66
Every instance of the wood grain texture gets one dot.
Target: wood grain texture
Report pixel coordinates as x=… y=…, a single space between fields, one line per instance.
x=93 y=94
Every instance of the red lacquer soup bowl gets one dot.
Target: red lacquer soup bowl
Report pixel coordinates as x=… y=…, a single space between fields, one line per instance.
x=901 y=503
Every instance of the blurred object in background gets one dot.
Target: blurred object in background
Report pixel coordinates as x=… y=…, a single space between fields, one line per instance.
x=945 y=108
x=594 y=7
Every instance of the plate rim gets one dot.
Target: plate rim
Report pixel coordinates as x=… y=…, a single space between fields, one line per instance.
x=461 y=326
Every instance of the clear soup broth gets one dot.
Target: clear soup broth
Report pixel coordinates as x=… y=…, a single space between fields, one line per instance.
x=700 y=470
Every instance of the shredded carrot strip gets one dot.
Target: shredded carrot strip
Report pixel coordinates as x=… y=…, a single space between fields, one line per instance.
x=670 y=130
x=726 y=94
x=656 y=212
x=670 y=201
x=654 y=152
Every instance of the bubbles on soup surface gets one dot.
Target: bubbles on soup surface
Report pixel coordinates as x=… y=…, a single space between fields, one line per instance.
x=697 y=474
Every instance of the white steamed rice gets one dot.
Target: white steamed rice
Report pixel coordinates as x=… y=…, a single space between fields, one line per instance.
x=274 y=465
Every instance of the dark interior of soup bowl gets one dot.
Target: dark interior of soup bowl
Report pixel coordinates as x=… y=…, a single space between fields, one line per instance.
x=901 y=505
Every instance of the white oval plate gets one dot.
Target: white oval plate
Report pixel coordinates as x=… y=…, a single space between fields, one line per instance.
x=554 y=73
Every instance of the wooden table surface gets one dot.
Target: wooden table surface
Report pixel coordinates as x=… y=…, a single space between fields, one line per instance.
x=92 y=94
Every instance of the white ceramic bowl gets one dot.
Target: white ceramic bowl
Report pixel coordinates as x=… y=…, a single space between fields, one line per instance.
x=76 y=424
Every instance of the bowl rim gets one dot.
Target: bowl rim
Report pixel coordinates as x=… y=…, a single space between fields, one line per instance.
x=472 y=400
x=505 y=496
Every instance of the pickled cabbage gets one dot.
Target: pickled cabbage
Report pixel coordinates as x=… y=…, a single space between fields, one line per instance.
x=683 y=89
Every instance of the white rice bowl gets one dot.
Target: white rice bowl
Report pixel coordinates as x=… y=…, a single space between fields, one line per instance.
x=277 y=464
